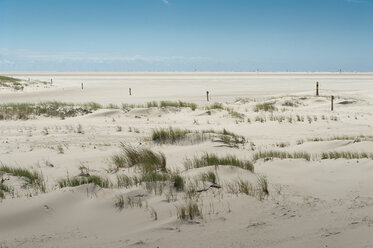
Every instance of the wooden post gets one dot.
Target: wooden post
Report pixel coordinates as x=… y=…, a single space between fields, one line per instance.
x=207 y=95
x=130 y=91
x=317 y=88
x=332 y=103
x=51 y=81
x=82 y=85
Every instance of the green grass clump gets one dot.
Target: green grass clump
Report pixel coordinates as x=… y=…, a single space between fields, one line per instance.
x=112 y=106
x=235 y=114
x=25 y=111
x=227 y=137
x=146 y=159
x=268 y=107
x=119 y=160
x=127 y=107
x=358 y=138
x=178 y=182
x=282 y=155
x=188 y=211
x=124 y=181
x=346 y=155
x=9 y=79
x=259 y=191
x=190 y=105
x=215 y=106
x=212 y=159
x=3 y=188
x=33 y=177
x=77 y=181
x=152 y=104
x=154 y=177
x=209 y=177
x=289 y=103
x=10 y=82
x=169 y=135
x=164 y=104
x=176 y=104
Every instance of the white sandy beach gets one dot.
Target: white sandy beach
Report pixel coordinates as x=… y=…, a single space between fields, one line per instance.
x=322 y=202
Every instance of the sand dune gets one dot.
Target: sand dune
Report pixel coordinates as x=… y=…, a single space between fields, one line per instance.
x=313 y=200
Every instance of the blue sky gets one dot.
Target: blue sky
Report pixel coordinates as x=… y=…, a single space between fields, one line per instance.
x=186 y=35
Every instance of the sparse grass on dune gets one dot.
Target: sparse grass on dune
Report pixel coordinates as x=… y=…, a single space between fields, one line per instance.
x=212 y=159
x=280 y=154
x=26 y=111
x=215 y=106
x=77 y=181
x=358 y=138
x=10 y=82
x=173 y=135
x=209 y=177
x=34 y=178
x=176 y=104
x=3 y=189
x=260 y=190
x=9 y=79
x=189 y=211
x=146 y=159
x=346 y=155
x=227 y=137
x=265 y=107
x=290 y=103
x=169 y=135
x=161 y=104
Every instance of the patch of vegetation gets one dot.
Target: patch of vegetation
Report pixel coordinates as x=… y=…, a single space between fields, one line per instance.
x=177 y=104
x=127 y=107
x=178 y=182
x=227 y=137
x=215 y=106
x=34 y=178
x=10 y=82
x=146 y=159
x=241 y=186
x=346 y=155
x=152 y=104
x=261 y=119
x=169 y=135
x=25 y=111
x=289 y=103
x=112 y=106
x=209 y=177
x=359 y=138
x=189 y=211
x=267 y=155
x=3 y=188
x=124 y=181
x=212 y=159
x=77 y=181
x=121 y=202
x=235 y=114
x=268 y=107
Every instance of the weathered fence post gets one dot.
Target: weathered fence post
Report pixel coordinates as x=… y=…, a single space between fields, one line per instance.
x=332 y=103
x=317 y=88
x=130 y=91
x=207 y=95
x=51 y=81
x=82 y=85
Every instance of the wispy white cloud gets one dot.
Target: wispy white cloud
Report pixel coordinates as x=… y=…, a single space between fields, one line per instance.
x=165 y=2
x=35 y=60
x=88 y=57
